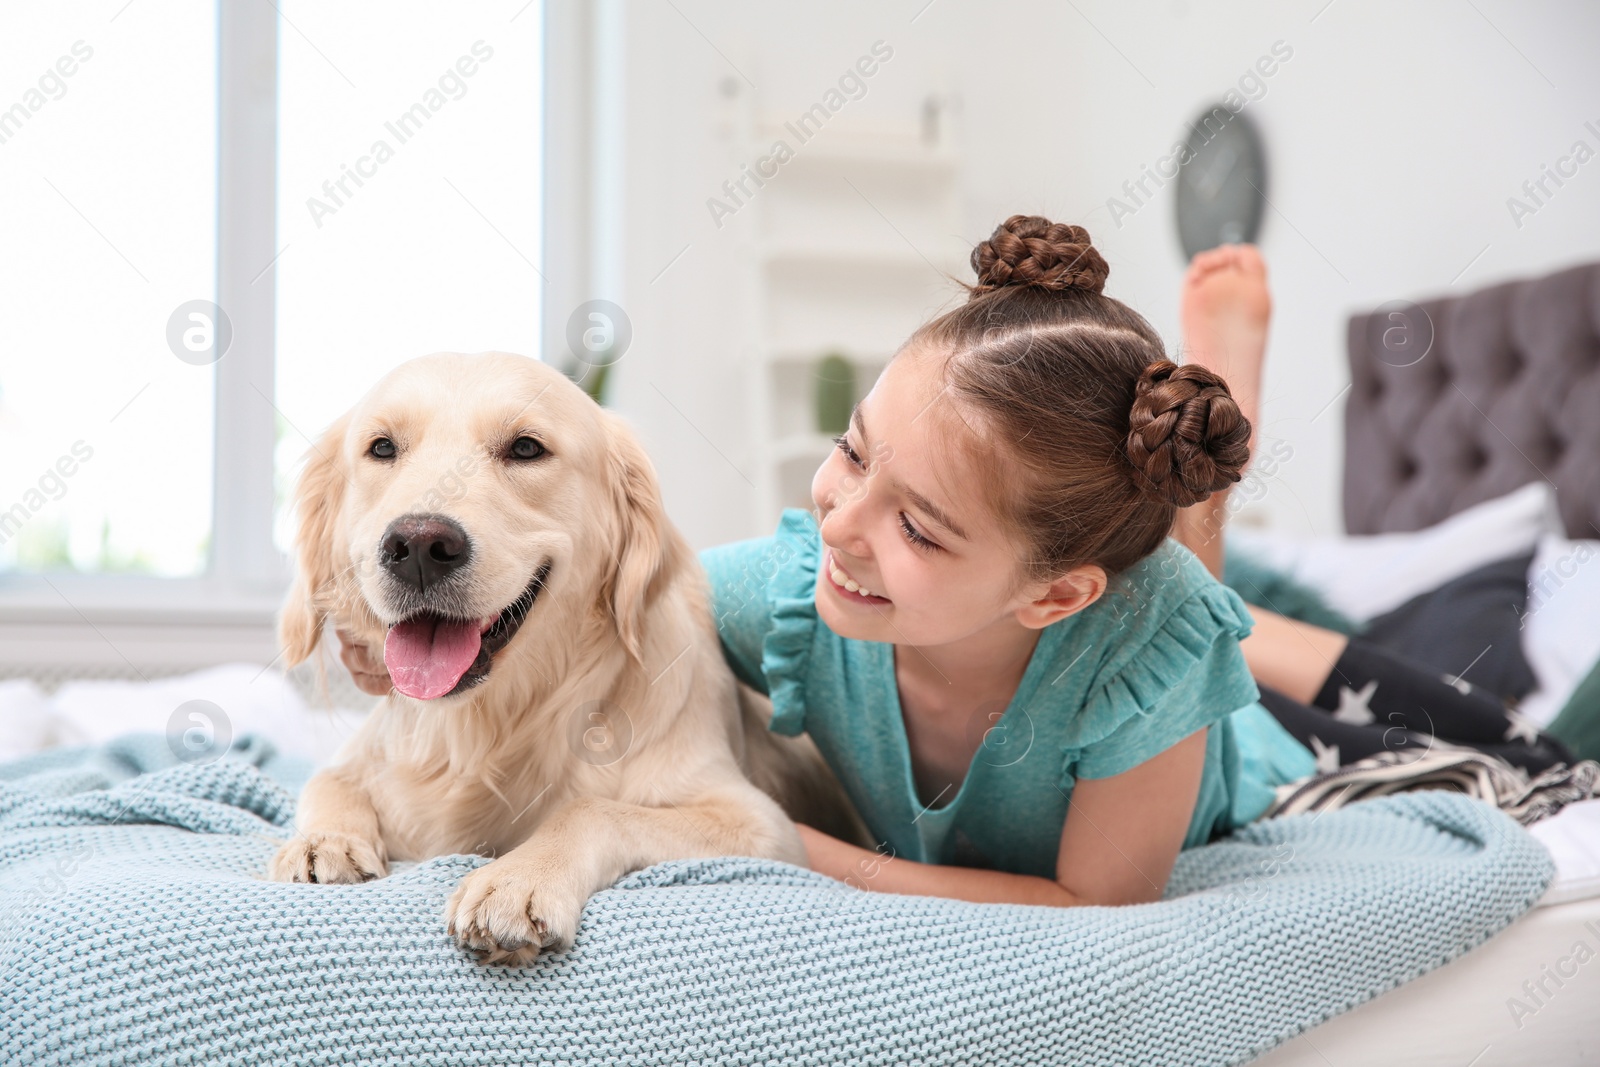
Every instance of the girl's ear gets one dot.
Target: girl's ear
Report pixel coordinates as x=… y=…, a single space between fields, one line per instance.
x=319 y=502
x=1067 y=595
x=649 y=550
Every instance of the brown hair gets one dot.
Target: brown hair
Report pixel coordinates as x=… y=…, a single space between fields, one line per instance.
x=1096 y=437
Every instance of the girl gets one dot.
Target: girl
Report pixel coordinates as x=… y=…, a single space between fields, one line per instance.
x=1031 y=693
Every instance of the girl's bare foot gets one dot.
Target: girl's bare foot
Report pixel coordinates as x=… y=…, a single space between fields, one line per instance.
x=1226 y=307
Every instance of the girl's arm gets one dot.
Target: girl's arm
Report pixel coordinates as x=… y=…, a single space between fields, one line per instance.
x=886 y=873
x=1123 y=833
x=1119 y=844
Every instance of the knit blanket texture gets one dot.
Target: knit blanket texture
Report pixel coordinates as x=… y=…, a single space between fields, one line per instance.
x=137 y=927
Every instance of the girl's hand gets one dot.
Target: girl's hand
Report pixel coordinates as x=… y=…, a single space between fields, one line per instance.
x=815 y=842
x=370 y=675
x=840 y=860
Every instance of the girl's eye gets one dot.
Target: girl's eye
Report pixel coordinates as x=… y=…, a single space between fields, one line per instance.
x=526 y=448
x=914 y=537
x=382 y=448
x=849 y=453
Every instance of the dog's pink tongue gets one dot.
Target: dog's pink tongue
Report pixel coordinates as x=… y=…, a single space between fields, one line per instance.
x=427 y=657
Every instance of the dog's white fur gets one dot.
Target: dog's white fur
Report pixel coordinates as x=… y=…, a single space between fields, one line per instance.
x=620 y=641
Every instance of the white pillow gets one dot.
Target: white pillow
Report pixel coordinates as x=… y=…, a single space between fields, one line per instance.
x=1365 y=576
x=1572 y=836
x=1561 y=627
x=26 y=725
x=250 y=700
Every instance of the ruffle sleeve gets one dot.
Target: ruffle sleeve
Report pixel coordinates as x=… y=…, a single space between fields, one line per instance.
x=786 y=648
x=1188 y=674
x=738 y=575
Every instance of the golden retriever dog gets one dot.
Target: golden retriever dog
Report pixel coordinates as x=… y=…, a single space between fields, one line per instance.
x=560 y=700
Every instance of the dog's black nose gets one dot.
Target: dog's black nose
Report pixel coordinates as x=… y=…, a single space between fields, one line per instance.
x=422 y=550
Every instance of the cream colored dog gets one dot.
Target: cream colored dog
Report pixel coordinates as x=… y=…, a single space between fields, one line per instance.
x=561 y=701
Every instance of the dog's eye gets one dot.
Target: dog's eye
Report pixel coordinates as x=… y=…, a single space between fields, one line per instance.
x=382 y=448
x=526 y=448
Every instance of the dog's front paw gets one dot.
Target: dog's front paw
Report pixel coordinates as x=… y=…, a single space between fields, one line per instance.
x=505 y=913
x=329 y=858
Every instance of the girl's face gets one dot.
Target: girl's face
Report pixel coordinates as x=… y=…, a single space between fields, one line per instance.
x=929 y=552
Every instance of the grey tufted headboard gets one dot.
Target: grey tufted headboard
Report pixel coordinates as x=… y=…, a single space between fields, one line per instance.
x=1507 y=393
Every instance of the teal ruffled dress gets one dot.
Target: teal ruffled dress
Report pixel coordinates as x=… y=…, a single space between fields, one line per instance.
x=1154 y=659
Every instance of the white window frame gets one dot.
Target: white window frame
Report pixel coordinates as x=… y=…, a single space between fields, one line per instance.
x=139 y=625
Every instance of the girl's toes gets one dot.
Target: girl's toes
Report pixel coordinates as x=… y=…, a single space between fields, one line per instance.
x=1248 y=258
x=1205 y=262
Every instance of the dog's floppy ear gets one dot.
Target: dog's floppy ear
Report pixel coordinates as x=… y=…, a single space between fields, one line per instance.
x=647 y=546
x=318 y=500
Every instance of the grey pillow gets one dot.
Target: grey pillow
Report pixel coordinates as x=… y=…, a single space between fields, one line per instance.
x=1469 y=627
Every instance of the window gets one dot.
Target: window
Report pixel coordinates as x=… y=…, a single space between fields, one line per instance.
x=408 y=199
x=108 y=149
x=391 y=205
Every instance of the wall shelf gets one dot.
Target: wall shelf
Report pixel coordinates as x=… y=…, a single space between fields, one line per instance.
x=848 y=248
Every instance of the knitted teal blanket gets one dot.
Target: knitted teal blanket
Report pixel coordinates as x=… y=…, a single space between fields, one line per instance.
x=136 y=927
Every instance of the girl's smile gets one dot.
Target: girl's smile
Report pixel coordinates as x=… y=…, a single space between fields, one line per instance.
x=846 y=586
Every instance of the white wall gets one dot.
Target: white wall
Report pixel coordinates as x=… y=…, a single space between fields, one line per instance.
x=1395 y=136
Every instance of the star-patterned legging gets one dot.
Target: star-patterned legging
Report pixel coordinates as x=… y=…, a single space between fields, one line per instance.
x=1374 y=701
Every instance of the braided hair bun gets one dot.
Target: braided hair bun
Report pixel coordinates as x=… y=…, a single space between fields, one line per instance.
x=1091 y=439
x=1186 y=438
x=1031 y=251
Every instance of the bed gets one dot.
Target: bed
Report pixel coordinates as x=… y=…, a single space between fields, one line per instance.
x=1503 y=396
x=164 y=942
